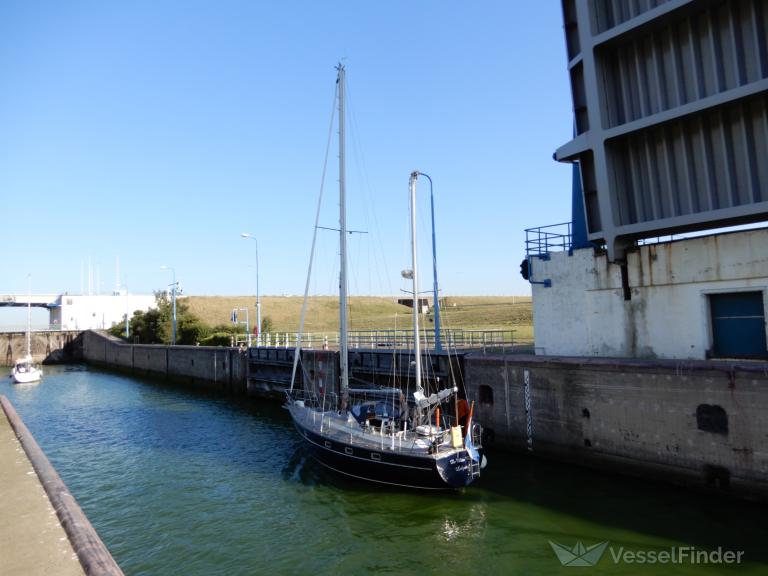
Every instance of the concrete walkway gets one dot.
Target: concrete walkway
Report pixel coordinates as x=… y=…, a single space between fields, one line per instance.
x=32 y=540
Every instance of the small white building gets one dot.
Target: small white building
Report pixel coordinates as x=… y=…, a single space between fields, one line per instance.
x=98 y=311
x=694 y=298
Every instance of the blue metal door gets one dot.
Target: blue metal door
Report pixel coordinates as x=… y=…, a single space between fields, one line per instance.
x=738 y=325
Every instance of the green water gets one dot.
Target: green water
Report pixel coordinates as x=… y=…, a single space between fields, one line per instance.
x=187 y=483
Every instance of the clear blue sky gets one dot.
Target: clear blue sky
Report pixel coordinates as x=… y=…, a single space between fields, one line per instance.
x=158 y=131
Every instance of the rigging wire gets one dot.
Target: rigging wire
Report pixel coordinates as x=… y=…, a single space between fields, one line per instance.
x=314 y=240
x=459 y=383
x=375 y=248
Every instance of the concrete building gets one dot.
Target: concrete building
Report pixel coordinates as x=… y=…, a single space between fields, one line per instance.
x=85 y=312
x=695 y=298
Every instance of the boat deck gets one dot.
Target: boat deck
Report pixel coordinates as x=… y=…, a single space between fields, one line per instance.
x=339 y=429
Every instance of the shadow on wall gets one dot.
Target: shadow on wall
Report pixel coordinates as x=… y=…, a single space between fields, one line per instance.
x=47 y=347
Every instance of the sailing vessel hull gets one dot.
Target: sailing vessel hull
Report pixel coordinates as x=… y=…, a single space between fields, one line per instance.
x=450 y=472
x=25 y=371
x=26 y=377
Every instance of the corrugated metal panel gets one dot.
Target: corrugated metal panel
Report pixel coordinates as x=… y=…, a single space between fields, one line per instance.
x=710 y=162
x=699 y=56
x=670 y=107
x=609 y=13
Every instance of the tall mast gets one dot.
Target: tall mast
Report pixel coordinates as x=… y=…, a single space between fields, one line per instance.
x=29 y=314
x=415 y=280
x=436 y=296
x=343 y=359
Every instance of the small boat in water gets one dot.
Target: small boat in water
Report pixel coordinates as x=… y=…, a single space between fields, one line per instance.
x=385 y=435
x=25 y=370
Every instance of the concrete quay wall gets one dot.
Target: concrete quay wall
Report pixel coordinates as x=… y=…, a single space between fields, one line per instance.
x=208 y=367
x=698 y=423
x=47 y=347
x=48 y=535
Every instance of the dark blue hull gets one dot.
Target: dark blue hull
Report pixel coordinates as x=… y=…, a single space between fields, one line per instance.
x=451 y=472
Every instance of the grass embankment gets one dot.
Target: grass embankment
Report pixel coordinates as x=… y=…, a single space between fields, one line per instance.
x=372 y=313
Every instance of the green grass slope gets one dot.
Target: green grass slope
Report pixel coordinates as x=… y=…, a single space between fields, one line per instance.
x=372 y=313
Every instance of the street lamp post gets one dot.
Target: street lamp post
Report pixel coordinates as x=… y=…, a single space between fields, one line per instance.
x=173 y=301
x=248 y=235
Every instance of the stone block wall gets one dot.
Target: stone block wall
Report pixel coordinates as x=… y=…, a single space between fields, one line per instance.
x=217 y=368
x=48 y=347
x=700 y=422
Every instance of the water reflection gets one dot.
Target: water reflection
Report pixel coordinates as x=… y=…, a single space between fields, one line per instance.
x=471 y=527
x=190 y=483
x=300 y=467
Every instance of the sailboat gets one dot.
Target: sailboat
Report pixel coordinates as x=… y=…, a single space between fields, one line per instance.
x=24 y=369
x=384 y=435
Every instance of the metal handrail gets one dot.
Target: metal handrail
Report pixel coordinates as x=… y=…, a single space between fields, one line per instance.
x=457 y=338
x=8 y=328
x=542 y=240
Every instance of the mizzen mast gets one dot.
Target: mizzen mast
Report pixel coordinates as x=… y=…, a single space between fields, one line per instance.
x=414 y=275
